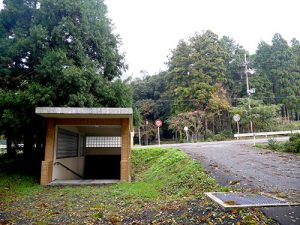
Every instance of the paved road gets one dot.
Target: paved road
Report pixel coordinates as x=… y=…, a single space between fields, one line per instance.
x=238 y=164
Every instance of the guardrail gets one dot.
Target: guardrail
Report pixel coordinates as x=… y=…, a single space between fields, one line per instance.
x=267 y=133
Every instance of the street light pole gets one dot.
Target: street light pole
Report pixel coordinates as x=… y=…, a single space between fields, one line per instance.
x=248 y=91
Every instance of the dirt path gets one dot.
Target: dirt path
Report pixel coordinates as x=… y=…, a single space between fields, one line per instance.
x=238 y=164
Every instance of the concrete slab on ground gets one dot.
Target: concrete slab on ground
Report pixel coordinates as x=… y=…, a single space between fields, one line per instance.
x=82 y=182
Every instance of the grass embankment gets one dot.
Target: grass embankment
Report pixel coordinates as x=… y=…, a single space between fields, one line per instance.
x=167 y=188
x=171 y=172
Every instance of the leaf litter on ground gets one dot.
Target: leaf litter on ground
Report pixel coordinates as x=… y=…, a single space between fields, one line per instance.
x=167 y=189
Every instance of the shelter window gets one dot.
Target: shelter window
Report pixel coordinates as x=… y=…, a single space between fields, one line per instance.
x=103 y=142
x=81 y=145
x=67 y=144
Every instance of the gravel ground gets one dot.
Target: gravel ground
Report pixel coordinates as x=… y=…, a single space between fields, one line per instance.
x=43 y=209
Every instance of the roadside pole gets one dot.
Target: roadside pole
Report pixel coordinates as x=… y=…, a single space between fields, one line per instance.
x=187 y=134
x=248 y=91
x=158 y=136
x=139 y=135
x=158 y=123
x=146 y=124
x=237 y=118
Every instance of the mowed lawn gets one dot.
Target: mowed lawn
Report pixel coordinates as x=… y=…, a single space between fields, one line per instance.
x=167 y=188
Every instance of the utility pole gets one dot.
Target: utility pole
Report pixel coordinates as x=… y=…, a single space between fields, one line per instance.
x=248 y=90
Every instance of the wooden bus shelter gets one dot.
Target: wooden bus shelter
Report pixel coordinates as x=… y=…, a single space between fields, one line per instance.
x=82 y=144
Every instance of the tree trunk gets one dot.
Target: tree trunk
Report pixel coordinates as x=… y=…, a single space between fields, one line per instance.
x=10 y=150
x=213 y=125
x=283 y=113
x=229 y=124
x=205 y=132
x=28 y=144
x=220 y=123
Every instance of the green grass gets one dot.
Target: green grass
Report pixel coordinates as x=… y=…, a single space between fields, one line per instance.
x=18 y=185
x=13 y=182
x=156 y=172
x=172 y=170
x=264 y=146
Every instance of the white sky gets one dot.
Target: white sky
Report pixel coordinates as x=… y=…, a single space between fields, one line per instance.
x=150 y=28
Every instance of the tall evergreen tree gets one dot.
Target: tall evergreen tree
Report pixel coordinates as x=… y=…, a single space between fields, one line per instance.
x=56 y=53
x=195 y=68
x=233 y=60
x=278 y=68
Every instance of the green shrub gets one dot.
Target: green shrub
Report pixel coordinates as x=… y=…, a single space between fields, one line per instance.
x=209 y=140
x=227 y=133
x=222 y=136
x=209 y=135
x=294 y=144
x=219 y=137
x=273 y=144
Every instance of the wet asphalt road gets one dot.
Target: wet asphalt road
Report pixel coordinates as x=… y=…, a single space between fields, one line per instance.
x=238 y=164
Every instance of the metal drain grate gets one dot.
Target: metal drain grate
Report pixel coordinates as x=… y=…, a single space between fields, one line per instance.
x=246 y=200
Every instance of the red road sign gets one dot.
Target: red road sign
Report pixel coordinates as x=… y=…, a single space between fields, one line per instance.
x=158 y=123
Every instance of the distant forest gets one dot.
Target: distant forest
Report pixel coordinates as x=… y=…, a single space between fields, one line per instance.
x=205 y=85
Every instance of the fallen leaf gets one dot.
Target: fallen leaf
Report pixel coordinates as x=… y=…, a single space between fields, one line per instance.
x=233 y=182
x=234 y=211
x=229 y=202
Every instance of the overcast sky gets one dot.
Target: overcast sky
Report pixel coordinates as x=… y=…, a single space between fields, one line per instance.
x=150 y=28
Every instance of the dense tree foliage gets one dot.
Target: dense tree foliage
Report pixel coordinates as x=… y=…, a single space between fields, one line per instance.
x=148 y=91
x=278 y=67
x=233 y=59
x=56 y=53
x=195 y=68
x=149 y=98
x=263 y=116
x=64 y=53
x=205 y=85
